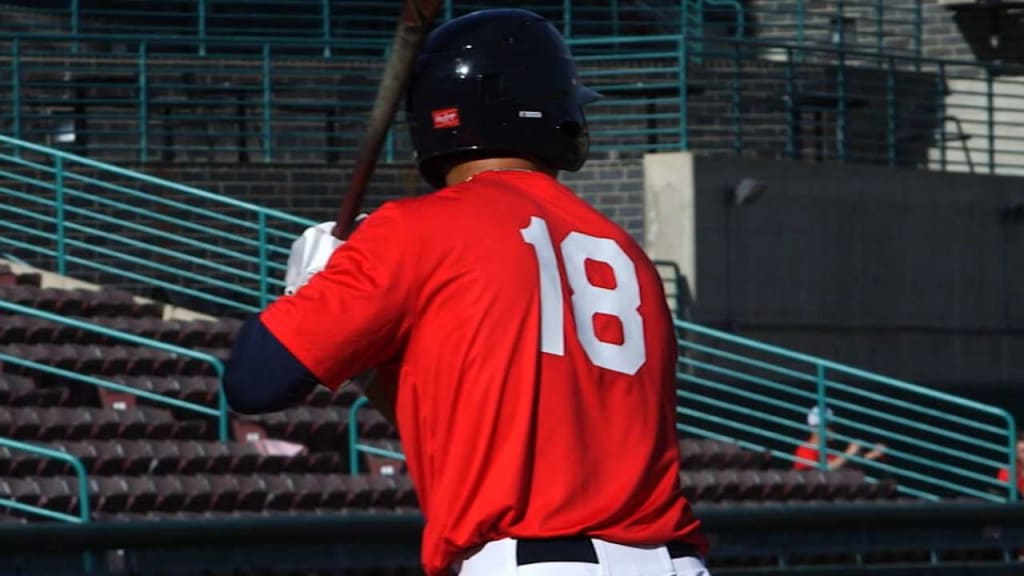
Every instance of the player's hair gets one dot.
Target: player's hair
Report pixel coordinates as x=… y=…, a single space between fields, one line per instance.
x=496 y=83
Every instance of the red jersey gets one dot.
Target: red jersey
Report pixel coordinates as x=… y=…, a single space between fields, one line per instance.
x=1004 y=476
x=535 y=362
x=807 y=457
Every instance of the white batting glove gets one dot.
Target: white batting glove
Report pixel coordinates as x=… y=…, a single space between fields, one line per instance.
x=310 y=253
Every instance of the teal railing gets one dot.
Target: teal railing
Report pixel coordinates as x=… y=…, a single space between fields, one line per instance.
x=83 y=484
x=867 y=24
x=96 y=221
x=84 y=509
x=220 y=412
x=776 y=101
x=355 y=447
x=325 y=21
x=155 y=101
x=675 y=287
x=937 y=445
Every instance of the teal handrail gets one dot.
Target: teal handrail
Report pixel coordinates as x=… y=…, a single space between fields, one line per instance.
x=84 y=508
x=221 y=412
x=355 y=447
x=939 y=445
x=121 y=225
x=83 y=516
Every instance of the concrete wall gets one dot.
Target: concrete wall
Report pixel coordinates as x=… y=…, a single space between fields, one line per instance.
x=918 y=275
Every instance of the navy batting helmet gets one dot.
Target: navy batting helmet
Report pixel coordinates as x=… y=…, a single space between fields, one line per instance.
x=496 y=83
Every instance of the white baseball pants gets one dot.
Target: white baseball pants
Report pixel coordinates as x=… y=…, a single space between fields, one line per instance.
x=499 y=558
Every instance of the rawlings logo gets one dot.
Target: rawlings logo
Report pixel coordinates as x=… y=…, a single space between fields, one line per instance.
x=446 y=118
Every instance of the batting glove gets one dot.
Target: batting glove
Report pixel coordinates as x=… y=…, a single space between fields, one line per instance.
x=310 y=253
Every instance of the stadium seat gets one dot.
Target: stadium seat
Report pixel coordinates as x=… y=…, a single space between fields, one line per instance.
x=372 y=424
x=18 y=390
x=13 y=330
x=382 y=465
x=252 y=492
x=170 y=492
x=199 y=493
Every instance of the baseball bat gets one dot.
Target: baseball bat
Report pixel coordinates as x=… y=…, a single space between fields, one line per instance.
x=417 y=15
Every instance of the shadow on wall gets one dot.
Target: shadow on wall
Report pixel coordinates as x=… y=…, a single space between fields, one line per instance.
x=993 y=32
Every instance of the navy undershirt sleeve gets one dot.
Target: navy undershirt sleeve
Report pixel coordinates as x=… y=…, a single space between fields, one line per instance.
x=261 y=375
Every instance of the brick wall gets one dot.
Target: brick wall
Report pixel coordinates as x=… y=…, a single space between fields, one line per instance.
x=615 y=187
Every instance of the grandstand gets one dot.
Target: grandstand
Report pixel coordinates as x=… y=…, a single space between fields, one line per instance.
x=157 y=159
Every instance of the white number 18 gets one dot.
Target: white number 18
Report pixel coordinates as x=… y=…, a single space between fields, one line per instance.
x=622 y=302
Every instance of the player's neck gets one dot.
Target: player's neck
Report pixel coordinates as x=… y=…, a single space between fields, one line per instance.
x=466 y=170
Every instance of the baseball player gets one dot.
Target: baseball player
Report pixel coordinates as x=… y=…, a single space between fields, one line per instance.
x=521 y=340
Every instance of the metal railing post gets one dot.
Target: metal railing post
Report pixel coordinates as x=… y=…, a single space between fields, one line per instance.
x=447 y=10
x=684 y=141
x=800 y=24
x=990 y=103
x=76 y=22
x=201 y=11
x=325 y=16
x=389 y=145
x=1013 y=473
x=59 y=199
x=890 y=112
x=143 y=103
x=880 y=26
x=267 y=152
x=918 y=33
x=261 y=248
x=613 y=6
x=84 y=508
x=737 y=124
x=222 y=405
x=567 y=18
x=822 y=417
x=790 y=107
x=940 y=109
x=841 y=128
x=16 y=92
x=353 y=433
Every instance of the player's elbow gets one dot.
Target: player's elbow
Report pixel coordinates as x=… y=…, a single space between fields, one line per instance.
x=241 y=397
x=261 y=375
